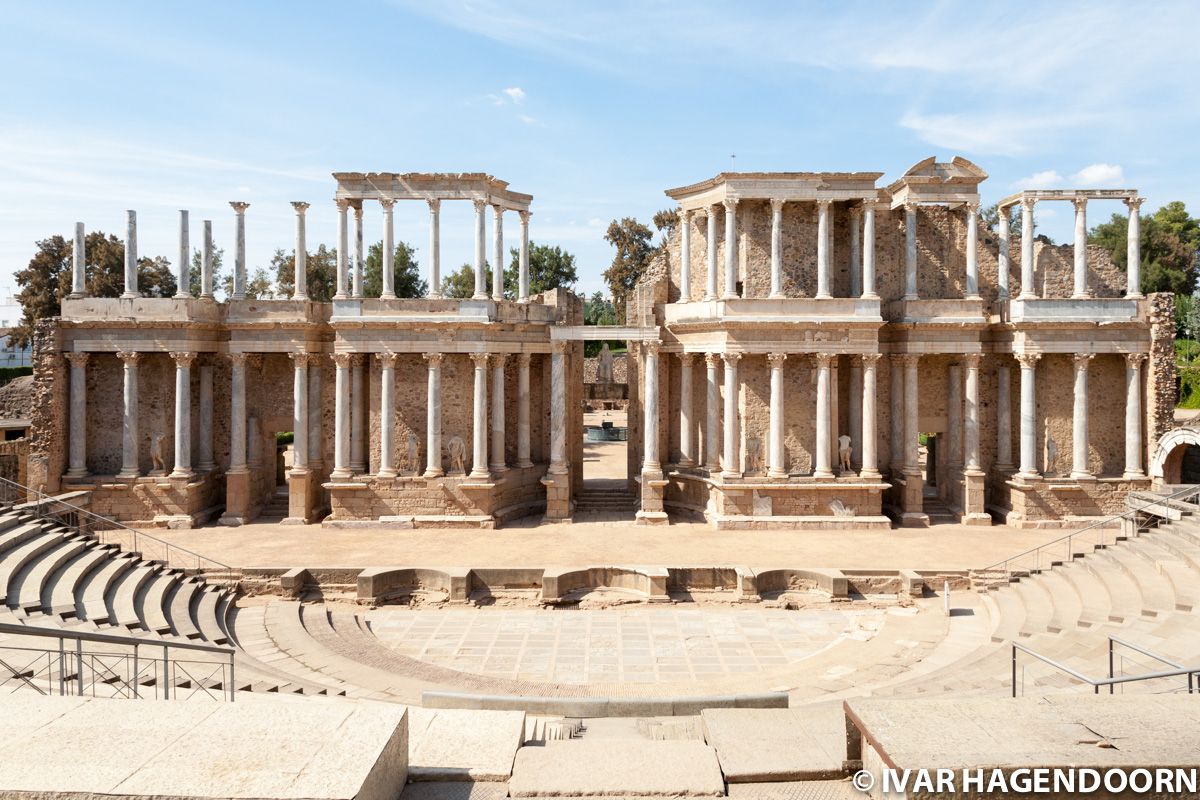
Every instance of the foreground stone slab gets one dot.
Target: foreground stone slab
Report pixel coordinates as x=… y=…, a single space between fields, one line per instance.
x=277 y=747
x=462 y=745
x=621 y=767
x=455 y=790
x=777 y=744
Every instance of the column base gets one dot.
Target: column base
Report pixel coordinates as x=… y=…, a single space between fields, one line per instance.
x=1028 y=476
x=434 y=473
x=497 y=468
x=480 y=297
x=76 y=474
x=729 y=474
x=1082 y=476
x=824 y=296
x=910 y=297
x=651 y=518
x=340 y=474
x=1134 y=476
x=479 y=475
x=181 y=474
x=777 y=296
x=823 y=474
x=776 y=473
x=130 y=295
x=207 y=466
x=526 y=464
x=1135 y=296
x=129 y=475
x=869 y=296
x=386 y=473
x=1085 y=296
x=870 y=475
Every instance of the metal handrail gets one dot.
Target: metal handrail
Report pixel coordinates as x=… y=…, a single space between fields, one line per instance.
x=109 y=638
x=1139 y=649
x=1096 y=683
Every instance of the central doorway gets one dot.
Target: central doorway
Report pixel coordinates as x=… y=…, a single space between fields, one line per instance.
x=606 y=493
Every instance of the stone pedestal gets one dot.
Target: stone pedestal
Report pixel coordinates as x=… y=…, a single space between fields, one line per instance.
x=302 y=491
x=912 y=502
x=237 y=497
x=974 y=504
x=654 y=489
x=558 y=497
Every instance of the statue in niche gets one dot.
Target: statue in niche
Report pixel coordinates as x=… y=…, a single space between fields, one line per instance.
x=414 y=452
x=1051 y=455
x=604 y=371
x=754 y=460
x=156 y=454
x=844 y=453
x=457 y=449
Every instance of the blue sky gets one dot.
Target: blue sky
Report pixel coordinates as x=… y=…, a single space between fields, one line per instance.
x=594 y=108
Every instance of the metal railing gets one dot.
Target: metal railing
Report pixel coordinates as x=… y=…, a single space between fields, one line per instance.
x=109 y=531
x=1097 y=534
x=115 y=667
x=1112 y=680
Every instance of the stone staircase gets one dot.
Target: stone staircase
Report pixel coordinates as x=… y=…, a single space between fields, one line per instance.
x=276 y=507
x=605 y=499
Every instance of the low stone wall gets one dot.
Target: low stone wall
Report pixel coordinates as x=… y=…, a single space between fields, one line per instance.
x=784 y=503
x=1049 y=503
x=156 y=501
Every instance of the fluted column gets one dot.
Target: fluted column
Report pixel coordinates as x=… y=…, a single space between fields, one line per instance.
x=731 y=464
x=855 y=250
x=1080 y=248
x=870 y=457
x=1003 y=268
x=341 y=417
x=823 y=249
x=435 y=247
x=239 y=253
x=910 y=251
x=912 y=431
x=299 y=413
x=343 y=251
x=731 y=247
x=316 y=438
x=687 y=425
x=868 y=252
x=1004 y=460
x=1028 y=362
x=854 y=410
x=712 y=399
x=356 y=283
x=896 y=412
x=776 y=247
x=776 y=466
x=971 y=415
x=954 y=418
x=301 y=255
x=358 y=414
x=558 y=408
x=433 y=417
x=497 y=449
x=237 y=412
x=1133 y=249
x=498 y=253
x=710 y=252
x=78 y=265
x=1027 y=291
x=78 y=422
x=131 y=256
x=479 y=433
x=387 y=414
x=1079 y=420
x=129 y=425
x=685 y=255
x=1133 y=415
x=523 y=398
x=389 y=250
x=972 y=287
x=183 y=268
x=650 y=459
x=480 y=257
x=523 y=259
x=824 y=443
x=183 y=414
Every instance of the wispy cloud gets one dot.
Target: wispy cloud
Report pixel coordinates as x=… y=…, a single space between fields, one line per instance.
x=1100 y=176
x=1046 y=179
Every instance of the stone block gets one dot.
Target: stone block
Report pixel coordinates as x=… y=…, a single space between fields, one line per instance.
x=466 y=745
x=617 y=767
x=777 y=744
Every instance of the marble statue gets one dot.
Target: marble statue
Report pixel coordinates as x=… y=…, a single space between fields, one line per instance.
x=457 y=449
x=754 y=460
x=604 y=371
x=844 y=453
x=156 y=453
x=414 y=452
x=1051 y=455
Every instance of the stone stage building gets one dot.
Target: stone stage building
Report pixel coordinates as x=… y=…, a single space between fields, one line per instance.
x=799 y=337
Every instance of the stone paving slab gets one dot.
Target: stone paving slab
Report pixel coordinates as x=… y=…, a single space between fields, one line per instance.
x=455 y=790
x=778 y=744
x=800 y=790
x=462 y=745
x=624 y=768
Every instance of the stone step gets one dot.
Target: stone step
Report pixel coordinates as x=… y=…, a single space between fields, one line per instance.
x=1067 y=607
x=1010 y=614
x=90 y=602
x=1038 y=606
x=23 y=555
x=205 y=613
x=19 y=534
x=1155 y=590
x=1093 y=597
x=58 y=593
x=1181 y=546
x=1126 y=600
x=178 y=606
x=152 y=602
x=1184 y=581
x=30 y=583
x=122 y=595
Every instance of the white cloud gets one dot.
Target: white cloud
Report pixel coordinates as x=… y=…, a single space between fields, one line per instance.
x=515 y=93
x=1046 y=179
x=1096 y=176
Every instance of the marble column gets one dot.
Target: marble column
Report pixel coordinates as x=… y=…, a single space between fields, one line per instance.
x=896 y=414
x=912 y=430
x=299 y=413
x=855 y=411
x=523 y=400
x=1027 y=292
x=870 y=457
x=435 y=247
x=300 y=259
x=129 y=426
x=498 y=253
x=776 y=247
x=687 y=425
x=855 y=250
x=387 y=414
x=204 y=453
x=206 y=263
x=731 y=247
x=356 y=283
x=1079 y=419
x=1080 y=250
x=78 y=265
x=358 y=413
x=1028 y=362
x=341 y=416
x=558 y=408
x=497 y=449
x=316 y=438
x=650 y=459
x=183 y=268
x=77 y=467
x=824 y=443
x=910 y=251
x=834 y=410
x=710 y=250
x=972 y=287
x=239 y=253
x=971 y=421
x=1133 y=251
x=433 y=417
x=131 y=257
x=343 y=250
x=1004 y=461
x=389 y=250
x=712 y=400
x=1133 y=415
x=479 y=434
x=823 y=249
x=1003 y=268
x=183 y=414
x=954 y=417
x=523 y=259
x=685 y=255
x=731 y=463
x=776 y=466
x=237 y=412
x=480 y=256
x=868 y=251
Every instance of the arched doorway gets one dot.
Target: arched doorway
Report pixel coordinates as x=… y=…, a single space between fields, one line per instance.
x=1176 y=458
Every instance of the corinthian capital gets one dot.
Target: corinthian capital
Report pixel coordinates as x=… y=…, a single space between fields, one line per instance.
x=1027 y=360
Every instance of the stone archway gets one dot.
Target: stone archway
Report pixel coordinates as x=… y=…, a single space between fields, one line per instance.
x=1176 y=457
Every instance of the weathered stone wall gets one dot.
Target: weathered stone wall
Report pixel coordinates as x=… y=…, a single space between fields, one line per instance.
x=48 y=429
x=16 y=398
x=591 y=368
x=1160 y=376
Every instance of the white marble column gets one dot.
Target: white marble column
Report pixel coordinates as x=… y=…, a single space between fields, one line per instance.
x=824 y=444
x=712 y=400
x=479 y=432
x=854 y=410
x=868 y=253
x=896 y=414
x=1080 y=248
x=204 y=454
x=1028 y=362
x=523 y=400
x=823 y=249
x=710 y=252
x=299 y=413
x=239 y=253
x=523 y=259
x=1003 y=268
x=954 y=418
x=316 y=438
x=358 y=413
x=972 y=288
x=341 y=416
x=183 y=414
x=971 y=417
x=910 y=251
x=129 y=425
x=1027 y=292
x=433 y=417
x=498 y=253
x=183 y=269
x=387 y=414
x=731 y=247
x=356 y=283
x=731 y=464
x=687 y=424
x=1133 y=248
x=206 y=263
x=300 y=260
x=78 y=265
x=776 y=247
x=912 y=428
x=435 y=247
x=870 y=457
x=855 y=250
x=685 y=255
x=78 y=423
x=650 y=459
x=131 y=256
x=237 y=412
x=776 y=466
x=480 y=252
x=1004 y=461
x=558 y=408
x=834 y=410
x=343 y=250
x=497 y=449
x=1079 y=419
x=1133 y=415
x=389 y=250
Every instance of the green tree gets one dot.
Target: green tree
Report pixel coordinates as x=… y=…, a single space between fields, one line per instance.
x=156 y=278
x=320 y=271
x=1170 y=247
x=258 y=285
x=634 y=253
x=549 y=268
x=218 y=276
x=599 y=310
x=991 y=220
x=406 y=274
x=665 y=222
x=460 y=284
